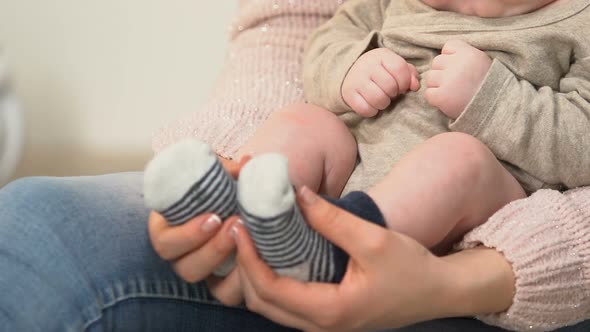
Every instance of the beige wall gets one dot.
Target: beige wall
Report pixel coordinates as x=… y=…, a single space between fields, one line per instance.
x=98 y=77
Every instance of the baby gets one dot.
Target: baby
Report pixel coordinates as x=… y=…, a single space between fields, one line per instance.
x=512 y=75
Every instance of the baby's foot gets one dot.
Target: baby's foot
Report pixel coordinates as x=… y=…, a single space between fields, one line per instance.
x=281 y=234
x=186 y=180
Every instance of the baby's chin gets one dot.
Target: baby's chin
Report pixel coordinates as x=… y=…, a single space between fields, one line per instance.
x=489 y=8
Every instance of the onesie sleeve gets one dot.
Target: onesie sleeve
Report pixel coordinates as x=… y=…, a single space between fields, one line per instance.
x=544 y=132
x=335 y=46
x=546 y=239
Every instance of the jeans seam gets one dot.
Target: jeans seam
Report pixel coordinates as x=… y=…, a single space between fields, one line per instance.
x=125 y=298
x=172 y=289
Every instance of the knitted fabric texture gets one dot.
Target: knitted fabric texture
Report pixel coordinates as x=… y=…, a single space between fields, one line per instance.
x=262 y=73
x=546 y=238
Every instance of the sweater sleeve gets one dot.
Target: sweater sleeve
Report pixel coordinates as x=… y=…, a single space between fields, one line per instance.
x=546 y=238
x=334 y=48
x=544 y=132
x=262 y=73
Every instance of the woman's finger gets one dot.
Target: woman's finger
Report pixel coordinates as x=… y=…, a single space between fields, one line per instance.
x=308 y=301
x=200 y=263
x=256 y=304
x=339 y=226
x=172 y=242
x=227 y=290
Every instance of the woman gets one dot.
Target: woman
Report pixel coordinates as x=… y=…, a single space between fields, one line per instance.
x=75 y=253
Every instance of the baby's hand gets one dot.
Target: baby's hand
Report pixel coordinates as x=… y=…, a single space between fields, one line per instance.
x=375 y=78
x=455 y=77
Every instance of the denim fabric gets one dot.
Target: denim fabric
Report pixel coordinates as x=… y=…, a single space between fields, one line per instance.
x=75 y=255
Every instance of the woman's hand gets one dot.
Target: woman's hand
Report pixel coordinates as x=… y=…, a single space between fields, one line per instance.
x=391 y=279
x=199 y=246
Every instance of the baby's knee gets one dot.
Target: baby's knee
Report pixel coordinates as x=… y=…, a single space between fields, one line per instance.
x=466 y=158
x=317 y=125
x=308 y=117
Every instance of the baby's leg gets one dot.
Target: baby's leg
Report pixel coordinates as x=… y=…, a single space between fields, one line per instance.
x=187 y=179
x=281 y=234
x=443 y=188
x=320 y=148
x=300 y=145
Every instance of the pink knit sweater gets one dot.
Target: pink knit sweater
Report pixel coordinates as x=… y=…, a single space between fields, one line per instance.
x=262 y=73
x=545 y=237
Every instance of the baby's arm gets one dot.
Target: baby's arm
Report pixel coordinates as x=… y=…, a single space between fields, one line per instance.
x=544 y=132
x=334 y=48
x=455 y=77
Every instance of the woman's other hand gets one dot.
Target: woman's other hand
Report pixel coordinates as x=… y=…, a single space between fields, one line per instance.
x=391 y=280
x=200 y=246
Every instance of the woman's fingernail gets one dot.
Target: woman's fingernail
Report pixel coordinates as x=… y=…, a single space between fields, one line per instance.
x=212 y=223
x=234 y=232
x=308 y=196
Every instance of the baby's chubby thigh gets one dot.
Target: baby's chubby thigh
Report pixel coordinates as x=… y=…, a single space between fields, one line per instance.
x=383 y=140
x=320 y=148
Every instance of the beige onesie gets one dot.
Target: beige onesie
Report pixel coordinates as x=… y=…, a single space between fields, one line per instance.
x=532 y=109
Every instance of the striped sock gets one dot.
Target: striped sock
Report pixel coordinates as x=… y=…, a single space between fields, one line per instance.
x=283 y=238
x=186 y=180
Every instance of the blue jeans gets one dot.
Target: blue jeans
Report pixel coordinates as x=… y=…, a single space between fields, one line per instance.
x=75 y=255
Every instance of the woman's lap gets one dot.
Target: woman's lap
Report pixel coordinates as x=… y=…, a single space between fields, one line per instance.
x=75 y=254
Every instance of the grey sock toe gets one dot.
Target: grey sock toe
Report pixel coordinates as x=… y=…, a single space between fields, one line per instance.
x=186 y=180
x=264 y=186
x=171 y=173
x=266 y=199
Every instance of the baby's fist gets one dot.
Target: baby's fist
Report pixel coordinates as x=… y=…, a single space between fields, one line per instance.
x=375 y=78
x=455 y=76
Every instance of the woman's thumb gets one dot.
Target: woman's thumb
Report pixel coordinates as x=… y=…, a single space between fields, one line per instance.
x=338 y=226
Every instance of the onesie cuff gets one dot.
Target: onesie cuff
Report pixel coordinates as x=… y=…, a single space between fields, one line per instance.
x=483 y=105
